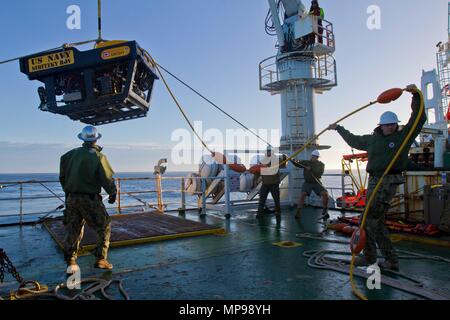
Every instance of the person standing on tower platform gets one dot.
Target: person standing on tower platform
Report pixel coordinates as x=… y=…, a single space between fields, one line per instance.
x=316 y=10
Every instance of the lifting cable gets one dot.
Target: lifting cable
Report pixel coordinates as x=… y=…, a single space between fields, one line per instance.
x=75 y=44
x=157 y=66
x=99 y=17
x=176 y=101
x=213 y=104
x=18 y=58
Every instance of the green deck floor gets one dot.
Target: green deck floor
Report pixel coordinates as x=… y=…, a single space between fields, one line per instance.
x=244 y=264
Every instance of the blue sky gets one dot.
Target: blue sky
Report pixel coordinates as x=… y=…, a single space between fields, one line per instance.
x=216 y=46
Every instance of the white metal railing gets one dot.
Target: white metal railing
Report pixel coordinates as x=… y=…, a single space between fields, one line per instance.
x=323 y=72
x=326 y=37
x=123 y=193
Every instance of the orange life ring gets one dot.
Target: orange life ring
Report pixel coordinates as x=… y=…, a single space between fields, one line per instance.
x=358 y=241
x=390 y=95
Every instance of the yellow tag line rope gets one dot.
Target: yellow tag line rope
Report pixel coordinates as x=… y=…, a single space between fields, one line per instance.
x=282 y=163
x=377 y=187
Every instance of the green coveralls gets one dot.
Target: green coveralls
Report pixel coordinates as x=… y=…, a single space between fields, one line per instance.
x=381 y=150
x=83 y=173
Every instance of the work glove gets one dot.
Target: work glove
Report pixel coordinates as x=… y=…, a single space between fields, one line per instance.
x=332 y=126
x=112 y=198
x=412 y=88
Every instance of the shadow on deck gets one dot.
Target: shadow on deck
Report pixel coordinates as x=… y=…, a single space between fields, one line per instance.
x=244 y=264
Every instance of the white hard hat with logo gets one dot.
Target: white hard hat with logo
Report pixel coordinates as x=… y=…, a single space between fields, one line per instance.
x=89 y=134
x=388 y=118
x=316 y=153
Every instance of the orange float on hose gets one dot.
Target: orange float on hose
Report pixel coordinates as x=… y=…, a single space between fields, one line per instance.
x=337 y=227
x=347 y=230
x=358 y=241
x=390 y=95
x=239 y=168
x=256 y=169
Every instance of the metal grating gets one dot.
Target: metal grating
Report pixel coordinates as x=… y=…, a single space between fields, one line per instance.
x=131 y=229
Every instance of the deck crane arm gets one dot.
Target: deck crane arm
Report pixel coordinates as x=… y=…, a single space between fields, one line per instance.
x=290 y=8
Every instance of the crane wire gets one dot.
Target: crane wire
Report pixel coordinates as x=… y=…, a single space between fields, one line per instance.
x=172 y=95
x=99 y=17
x=68 y=45
x=99 y=39
x=214 y=105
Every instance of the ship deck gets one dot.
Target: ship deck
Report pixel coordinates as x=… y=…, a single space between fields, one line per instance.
x=243 y=264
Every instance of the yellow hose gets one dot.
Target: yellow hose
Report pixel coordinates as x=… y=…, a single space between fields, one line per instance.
x=307 y=144
x=377 y=187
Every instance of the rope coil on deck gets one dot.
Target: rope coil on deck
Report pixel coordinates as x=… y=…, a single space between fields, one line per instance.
x=321 y=259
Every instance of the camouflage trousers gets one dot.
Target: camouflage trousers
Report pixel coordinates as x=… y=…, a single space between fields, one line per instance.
x=81 y=209
x=376 y=231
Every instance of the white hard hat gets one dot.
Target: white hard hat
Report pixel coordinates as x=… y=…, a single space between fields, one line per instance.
x=89 y=134
x=316 y=153
x=388 y=118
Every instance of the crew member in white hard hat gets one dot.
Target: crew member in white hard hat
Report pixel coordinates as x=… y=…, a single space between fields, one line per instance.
x=313 y=171
x=381 y=147
x=83 y=173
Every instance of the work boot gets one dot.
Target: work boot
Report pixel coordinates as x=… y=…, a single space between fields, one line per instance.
x=325 y=216
x=103 y=264
x=389 y=265
x=298 y=214
x=72 y=266
x=362 y=261
x=267 y=210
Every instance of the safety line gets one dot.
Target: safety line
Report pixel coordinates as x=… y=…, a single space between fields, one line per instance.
x=176 y=101
x=213 y=104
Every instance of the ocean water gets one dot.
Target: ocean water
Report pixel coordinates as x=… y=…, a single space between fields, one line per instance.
x=40 y=199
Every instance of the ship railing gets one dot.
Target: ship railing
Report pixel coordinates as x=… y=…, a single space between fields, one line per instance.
x=325 y=32
x=323 y=72
x=50 y=191
x=22 y=195
x=343 y=188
